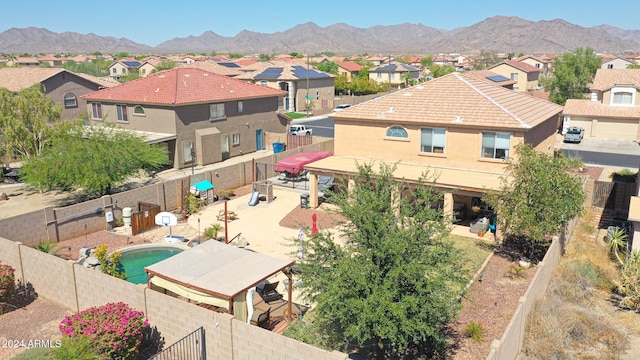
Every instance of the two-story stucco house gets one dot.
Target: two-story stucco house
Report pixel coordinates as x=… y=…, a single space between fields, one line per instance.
x=526 y=76
x=307 y=89
x=613 y=111
x=349 y=69
x=393 y=74
x=63 y=87
x=460 y=130
x=187 y=108
x=616 y=63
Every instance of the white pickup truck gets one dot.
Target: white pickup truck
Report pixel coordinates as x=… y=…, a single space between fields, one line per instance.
x=300 y=130
x=574 y=134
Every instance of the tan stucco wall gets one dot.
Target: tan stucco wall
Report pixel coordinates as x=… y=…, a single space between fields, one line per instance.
x=462 y=148
x=525 y=81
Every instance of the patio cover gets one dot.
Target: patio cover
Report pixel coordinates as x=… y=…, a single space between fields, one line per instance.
x=294 y=165
x=215 y=273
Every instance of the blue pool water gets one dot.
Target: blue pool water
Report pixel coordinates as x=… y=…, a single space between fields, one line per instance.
x=134 y=261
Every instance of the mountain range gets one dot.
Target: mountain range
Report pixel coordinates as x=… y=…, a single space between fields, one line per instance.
x=495 y=34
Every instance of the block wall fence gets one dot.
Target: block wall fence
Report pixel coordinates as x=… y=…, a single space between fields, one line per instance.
x=62 y=223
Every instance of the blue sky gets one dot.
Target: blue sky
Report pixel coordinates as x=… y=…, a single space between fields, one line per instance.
x=153 y=22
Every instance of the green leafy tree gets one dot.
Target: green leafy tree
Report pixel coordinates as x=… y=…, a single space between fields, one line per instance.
x=264 y=57
x=408 y=79
x=572 y=74
x=235 y=55
x=396 y=280
x=98 y=67
x=341 y=85
x=25 y=121
x=132 y=74
x=437 y=71
x=329 y=67
x=121 y=55
x=93 y=158
x=363 y=74
x=426 y=61
x=166 y=65
x=485 y=59
x=539 y=196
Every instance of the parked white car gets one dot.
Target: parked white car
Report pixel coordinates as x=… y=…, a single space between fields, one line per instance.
x=342 y=107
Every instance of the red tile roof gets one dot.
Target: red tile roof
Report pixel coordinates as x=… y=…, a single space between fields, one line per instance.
x=349 y=66
x=181 y=86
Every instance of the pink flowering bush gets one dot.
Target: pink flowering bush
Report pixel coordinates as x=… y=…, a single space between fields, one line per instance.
x=114 y=328
x=7 y=283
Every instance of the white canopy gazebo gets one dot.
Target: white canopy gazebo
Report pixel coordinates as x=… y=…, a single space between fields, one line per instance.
x=218 y=274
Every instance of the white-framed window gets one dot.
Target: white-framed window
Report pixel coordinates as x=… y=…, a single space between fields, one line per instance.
x=317 y=95
x=121 y=113
x=96 y=111
x=235 y=138
x=144 y=71
x=240 y=106
x=216 y=111
x=495 y=145
x=115 y=71
x=432 y=140
x=609 y=66
x=514 y=76
x=138 y=110
x=538 y=65
x=187 y=146
x=70 y=100
x=397 y=132
x=263 y=83
x=379 y=75
x=623 y=96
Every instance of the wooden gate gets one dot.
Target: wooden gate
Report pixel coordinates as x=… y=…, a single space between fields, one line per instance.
x=144 y=219
x=613 y=195
x=296 y=141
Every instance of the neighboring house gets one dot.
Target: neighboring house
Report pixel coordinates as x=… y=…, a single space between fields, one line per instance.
x=229 y=69
x=24 y=61
x=187 y=108
x=349 y=69
x=616 y=63
x=379 y=60
x=63 y=87
x=458 y=130
x=613 y=111
x=393 y=74
x=542 y=63
x=526 y=76
x=490 y=77
x=53 y=61
x=302 y=84
x=123 y=67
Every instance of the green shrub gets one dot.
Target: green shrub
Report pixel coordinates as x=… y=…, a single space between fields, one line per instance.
x=475 y=331
x=7 y=285
x=36 y=353
x=110 y=263
x=46 y=246
x=115 y=329
x=78 y=348
x=212 y=231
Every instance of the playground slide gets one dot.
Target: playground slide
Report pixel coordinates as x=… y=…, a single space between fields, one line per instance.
x=255 y=195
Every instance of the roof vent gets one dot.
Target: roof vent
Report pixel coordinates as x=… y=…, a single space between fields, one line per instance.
x=381 y=116
x=187 y=75
x=161 y=76
x=391 y=110
x=205 y=74
x=458 y=119
x=419 y=87
x=407 y=94
x=158 y=90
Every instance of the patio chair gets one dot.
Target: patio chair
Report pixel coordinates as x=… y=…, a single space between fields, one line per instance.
x=261 y=319
x=268 y=292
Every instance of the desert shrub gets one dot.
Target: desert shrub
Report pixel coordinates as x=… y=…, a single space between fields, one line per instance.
x=474 y=330
x=629 y=284
x=212 y=231
x=110 y=263
x=7 y=284
x=516 y=272
x=46 y=246
x=115 y=329
x=36 y=353
x=226 y=194
x=78 y=348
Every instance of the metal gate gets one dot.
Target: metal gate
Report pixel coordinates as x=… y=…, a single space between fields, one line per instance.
x=144 y=219
x=190 y=347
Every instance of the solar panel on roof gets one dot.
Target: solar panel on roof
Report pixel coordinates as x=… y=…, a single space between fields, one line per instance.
x=229 y=64
x=302 y=73
x=132 y=63
x=497 y=78
x=270 y=73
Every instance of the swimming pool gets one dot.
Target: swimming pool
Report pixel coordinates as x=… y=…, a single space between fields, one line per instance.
x=135 y=258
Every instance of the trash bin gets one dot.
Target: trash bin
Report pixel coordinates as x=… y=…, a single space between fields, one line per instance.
x=304 y=201
x=278 y=147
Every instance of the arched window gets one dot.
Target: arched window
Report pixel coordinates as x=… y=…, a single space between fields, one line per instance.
x=138 y=110
x=397 y=132
x=70 y=100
